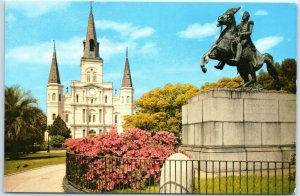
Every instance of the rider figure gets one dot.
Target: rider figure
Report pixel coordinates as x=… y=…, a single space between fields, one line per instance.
x=244 y=31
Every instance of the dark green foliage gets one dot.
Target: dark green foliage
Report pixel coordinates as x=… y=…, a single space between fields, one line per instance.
x=25 y=123
x=293 y=162
x=287 y=77
x=59 y=127
x=56 y=141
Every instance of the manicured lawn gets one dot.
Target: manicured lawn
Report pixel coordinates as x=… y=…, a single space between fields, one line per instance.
x=148 y=189
x=256 y=185
x=33 y=161
x=238 y=185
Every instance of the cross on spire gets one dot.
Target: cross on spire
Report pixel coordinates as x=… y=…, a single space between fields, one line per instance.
x=91 y=5
x=54 y=45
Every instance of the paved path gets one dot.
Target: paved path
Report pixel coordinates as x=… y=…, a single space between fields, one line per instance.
x=45 y=179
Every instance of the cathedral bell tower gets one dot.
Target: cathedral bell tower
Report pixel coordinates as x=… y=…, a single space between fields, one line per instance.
x=91 y=62
x=126 y=92
x=54 y=92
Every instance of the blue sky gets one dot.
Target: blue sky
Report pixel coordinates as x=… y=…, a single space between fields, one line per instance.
x=166 y=40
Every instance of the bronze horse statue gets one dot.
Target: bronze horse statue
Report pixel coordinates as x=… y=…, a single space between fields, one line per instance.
x=223 y=50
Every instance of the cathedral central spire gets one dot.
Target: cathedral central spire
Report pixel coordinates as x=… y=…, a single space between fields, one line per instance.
x=91 y=46
x=54 y=73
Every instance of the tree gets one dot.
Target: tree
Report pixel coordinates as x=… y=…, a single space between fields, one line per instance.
x=57 y=141
x=224 y=83
x=25 y=123
x=287 y=72
x=160 y=109
x=59 y=127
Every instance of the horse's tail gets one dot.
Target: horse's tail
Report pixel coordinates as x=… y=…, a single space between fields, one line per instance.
x=268 y=59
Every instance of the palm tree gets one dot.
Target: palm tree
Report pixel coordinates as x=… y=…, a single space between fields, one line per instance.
x=21 y=116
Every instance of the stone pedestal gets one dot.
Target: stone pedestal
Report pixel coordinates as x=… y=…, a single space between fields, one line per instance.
x=236 y=125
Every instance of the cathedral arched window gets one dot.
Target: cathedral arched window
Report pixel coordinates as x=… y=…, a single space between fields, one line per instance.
x=83 y=115
x=92 y=132
x=53 y=96
x=59 y=97
x=92 y=45
x=53 y=116
x=77 y=98
x=83 y=133
x=94 y=77
x=116 y=119
x=122 y=99
x=100 y=116
x=67 y=117
x=105 y=99
x=88 y=76
x=127 y=99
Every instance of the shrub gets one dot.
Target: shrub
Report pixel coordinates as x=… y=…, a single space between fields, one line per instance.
x=57 y=141
x=104 y=169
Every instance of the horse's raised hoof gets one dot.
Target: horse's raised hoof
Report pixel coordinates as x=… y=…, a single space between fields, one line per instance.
x=203 y=68
x=219 y=67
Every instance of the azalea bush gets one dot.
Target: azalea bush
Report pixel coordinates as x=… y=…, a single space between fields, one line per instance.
x=110 y=160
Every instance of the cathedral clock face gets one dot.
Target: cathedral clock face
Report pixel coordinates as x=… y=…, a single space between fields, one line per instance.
x=92 y=91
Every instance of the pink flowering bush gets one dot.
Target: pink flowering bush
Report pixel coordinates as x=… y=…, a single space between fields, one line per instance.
x=109 y=160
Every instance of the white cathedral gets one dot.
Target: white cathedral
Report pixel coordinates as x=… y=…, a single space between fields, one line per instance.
x=90 y=107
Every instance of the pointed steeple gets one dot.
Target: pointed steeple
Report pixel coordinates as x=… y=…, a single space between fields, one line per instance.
x=126 y=76
x=91 y=46
x=54 y=73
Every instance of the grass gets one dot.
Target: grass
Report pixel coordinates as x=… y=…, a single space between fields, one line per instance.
x=148 y=189
x=32 y=161
x=256 y=185
x=238 y=185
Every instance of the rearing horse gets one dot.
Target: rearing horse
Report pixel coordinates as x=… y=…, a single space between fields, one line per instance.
x=251 y=60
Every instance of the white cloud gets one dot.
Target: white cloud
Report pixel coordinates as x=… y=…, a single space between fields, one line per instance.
x=126 y=30
x=68 y=52
x=10 y=18
x=110 y=48
x=199 y=31
x=37 y=8
x=266 y=43
x=261 y=13
x=141 y=33
x=123 y=28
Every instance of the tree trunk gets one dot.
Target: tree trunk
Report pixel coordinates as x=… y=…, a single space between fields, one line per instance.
x=14 y=153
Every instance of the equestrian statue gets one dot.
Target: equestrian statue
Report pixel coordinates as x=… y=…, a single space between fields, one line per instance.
x=234 y=47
